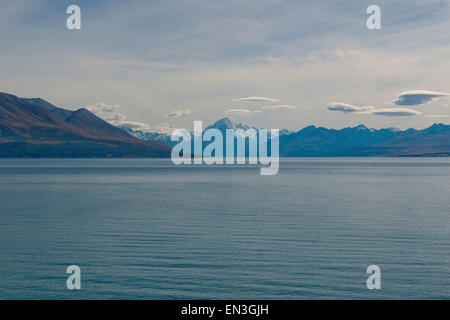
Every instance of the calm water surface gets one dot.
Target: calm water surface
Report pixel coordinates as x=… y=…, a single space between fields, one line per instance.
x=145 y=229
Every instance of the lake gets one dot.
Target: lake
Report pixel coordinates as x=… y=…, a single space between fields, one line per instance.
x=146 y=229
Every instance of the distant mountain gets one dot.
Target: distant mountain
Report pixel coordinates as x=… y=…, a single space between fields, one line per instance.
x=319 y=141
x=148 y=136
x=362 y=141
x=225 y=123
x=352 y=141
x=36 y=128
x=222 y=125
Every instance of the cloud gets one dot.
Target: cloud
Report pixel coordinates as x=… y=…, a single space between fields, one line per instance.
x=241 y=111
x=178 y=113
x=416 y=97
x=256 y=99
x=396 y=112
x=112 y=115
x=437 y=116
x=348 y=108
x=136 y=126
x=109 y=113
x=265 y=108
x=389 y=112
x=164 y=128
x=282 y=106
x=225 y=60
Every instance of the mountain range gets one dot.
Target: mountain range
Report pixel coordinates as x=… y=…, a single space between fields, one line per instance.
x=362 y=141
x=36 y=128
x=356 y=141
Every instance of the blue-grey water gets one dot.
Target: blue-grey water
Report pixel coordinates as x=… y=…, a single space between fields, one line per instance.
x=145 y=229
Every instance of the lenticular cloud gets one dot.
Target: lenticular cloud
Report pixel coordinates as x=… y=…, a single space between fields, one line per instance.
x=348 y=108
x=416 y=97
x=388 y=112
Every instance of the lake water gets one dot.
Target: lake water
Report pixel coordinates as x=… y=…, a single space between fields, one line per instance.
x=145 y=229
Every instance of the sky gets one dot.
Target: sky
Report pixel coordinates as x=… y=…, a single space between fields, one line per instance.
x=159 y=65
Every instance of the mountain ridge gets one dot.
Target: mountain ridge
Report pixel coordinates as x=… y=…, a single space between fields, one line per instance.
x=312 y=141
x=33 y=127
x=36 y=128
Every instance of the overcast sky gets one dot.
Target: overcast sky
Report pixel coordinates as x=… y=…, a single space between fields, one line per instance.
x=269 y=63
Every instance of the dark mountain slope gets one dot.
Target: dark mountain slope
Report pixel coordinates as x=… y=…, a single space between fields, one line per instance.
x=85 y=121
x=94 y=126
x=35 y=128
x=59 y=112
x=20 y=120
